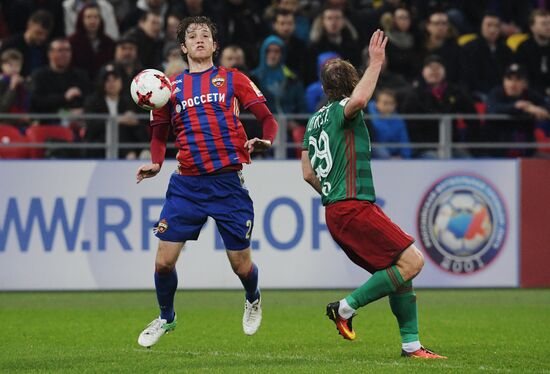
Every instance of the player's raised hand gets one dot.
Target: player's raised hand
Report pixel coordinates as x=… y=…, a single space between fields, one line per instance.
x=257 y=145
x=147 y=171
x=377 y=47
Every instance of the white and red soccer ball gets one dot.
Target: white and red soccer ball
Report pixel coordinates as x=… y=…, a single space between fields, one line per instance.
x=151 y=89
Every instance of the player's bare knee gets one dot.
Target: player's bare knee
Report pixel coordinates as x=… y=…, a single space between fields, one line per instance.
x=242 y=269
x=164 y=267
x=410 y=263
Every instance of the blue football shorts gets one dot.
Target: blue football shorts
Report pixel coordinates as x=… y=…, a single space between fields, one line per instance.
x=190 y=200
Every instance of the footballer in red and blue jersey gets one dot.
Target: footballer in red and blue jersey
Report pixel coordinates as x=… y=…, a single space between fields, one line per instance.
x=212 y=145
x=203 y=113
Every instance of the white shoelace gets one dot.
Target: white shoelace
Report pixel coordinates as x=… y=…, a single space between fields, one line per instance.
x=154 y=326
x=249 y=309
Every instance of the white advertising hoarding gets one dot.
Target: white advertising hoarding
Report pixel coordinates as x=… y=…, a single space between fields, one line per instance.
x=88 y=225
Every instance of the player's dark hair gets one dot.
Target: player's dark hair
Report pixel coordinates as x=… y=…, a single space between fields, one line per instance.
x=338 y=78
x=199 y=20
x=42 y=18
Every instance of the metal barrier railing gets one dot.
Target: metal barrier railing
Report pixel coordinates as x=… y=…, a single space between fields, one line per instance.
x=444 y=146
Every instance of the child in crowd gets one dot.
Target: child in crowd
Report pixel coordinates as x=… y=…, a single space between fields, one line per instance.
x=387 y=126
x=14 y=94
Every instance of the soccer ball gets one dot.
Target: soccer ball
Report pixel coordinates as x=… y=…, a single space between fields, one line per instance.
x=151 y=89
x=463 y=223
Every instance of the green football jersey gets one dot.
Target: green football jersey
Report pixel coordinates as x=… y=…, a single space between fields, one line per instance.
x=340 y=152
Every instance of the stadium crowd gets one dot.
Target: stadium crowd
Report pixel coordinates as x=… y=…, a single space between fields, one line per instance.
x=443 y=57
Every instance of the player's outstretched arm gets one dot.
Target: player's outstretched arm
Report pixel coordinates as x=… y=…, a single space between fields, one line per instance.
x=309 y=174
x=159 y=136
x=365 y=88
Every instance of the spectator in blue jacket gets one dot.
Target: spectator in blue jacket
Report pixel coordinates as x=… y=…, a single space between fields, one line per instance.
x=387 y=126
x=281 y=87
x=315 y=96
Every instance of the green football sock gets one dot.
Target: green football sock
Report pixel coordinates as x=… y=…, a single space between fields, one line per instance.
x=403 y=306
x=382 y=283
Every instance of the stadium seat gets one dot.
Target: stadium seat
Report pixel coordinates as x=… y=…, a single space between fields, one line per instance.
x=465 y=39
x=43 y=133
x=10 y=134
x=543 y=138
x=515 y=40
x=297 y=137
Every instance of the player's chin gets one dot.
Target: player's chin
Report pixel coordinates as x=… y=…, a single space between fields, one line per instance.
x=202 y=53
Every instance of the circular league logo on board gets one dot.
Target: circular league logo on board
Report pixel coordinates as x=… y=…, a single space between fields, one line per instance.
x=462 y=223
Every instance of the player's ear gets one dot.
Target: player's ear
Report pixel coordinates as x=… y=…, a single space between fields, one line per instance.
x=183 y=48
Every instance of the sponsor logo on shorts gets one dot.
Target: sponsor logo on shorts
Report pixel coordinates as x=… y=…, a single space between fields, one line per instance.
x=161 y=227
x=462 y=222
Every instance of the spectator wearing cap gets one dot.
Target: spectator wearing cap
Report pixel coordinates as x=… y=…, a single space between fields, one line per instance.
x=434 y=94
x=439 y=41
x=33 y=42
x=59 y=86
x=514 y=97
x=126 y=61
x=95 y=49
x=107 y=99
x=485 y=59
x=534 y=53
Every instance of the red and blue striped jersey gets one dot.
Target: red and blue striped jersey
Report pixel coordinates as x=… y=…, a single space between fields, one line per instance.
x=203 y=112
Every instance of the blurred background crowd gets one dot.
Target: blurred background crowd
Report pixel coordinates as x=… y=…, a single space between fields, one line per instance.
x=443 y=57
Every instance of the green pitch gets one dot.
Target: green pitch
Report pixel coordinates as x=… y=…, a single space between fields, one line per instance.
x=480 y=331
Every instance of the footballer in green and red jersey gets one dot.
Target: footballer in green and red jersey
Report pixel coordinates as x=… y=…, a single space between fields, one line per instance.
x=336 y=163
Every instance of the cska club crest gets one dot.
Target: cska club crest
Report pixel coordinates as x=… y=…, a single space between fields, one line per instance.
x=162 y=226
x=218 y=81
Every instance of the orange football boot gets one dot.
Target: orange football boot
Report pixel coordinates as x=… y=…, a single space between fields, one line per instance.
x=422 y=353
x=344 y=326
